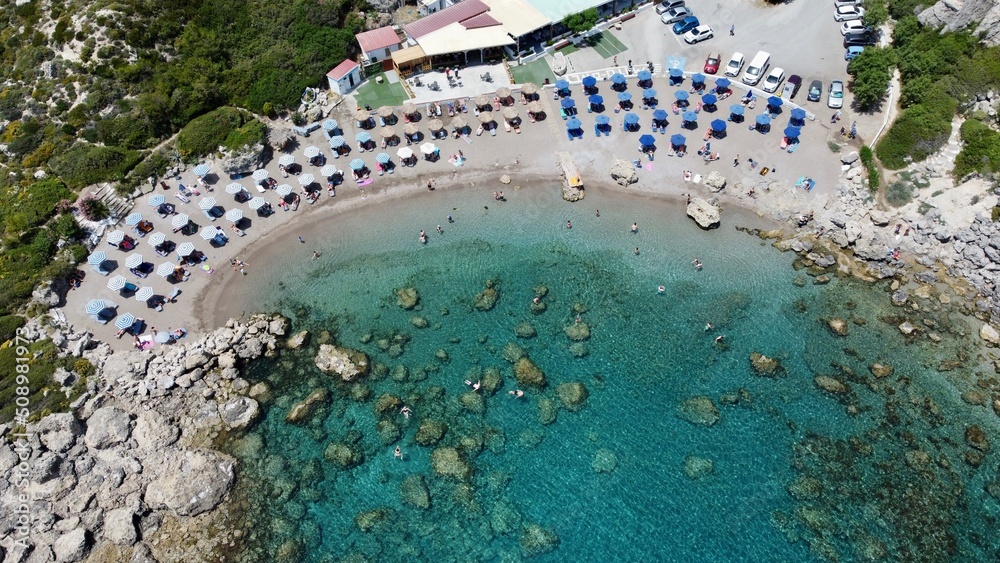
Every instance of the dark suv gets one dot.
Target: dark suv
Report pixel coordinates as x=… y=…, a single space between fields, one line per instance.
x=815 y=91
x=866 y=39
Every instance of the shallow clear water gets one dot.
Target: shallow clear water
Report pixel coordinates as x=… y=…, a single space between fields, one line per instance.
x=648 y=352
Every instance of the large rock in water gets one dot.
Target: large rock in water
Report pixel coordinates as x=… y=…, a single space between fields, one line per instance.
x=704 y=213
x=430 y=432
x=528 y=374
x=577 y=332
x=487 y=298
x=763 y=365
x=239 y=412
x=697 y=467
x=699 y=410
x=190 y=482
x=831 y=384
x=344 y=456
x=623 y=172
x=536 y=540
x=303 y=409
x=349 y=364
x=415 y=493
x=990 y=335
x=407 y=298
x=572 y=395
x=448 y=462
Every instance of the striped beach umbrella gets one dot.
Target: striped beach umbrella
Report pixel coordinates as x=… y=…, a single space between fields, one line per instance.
x=234 y=215
x=357 y=164
x=165 y=269
x=283 y=190
x=185 y=249
x=133 y=260
x=234 y=188
x=207 y=203
x=125 y=321
x=180 y=220
x=209 y=232
x=144 y=294
x=363 y=137
x=382 y=158
x=156 y=239
x=256 y=203
x=133 y=219
x=156 y=200
x=328 y=170
x=337 y=142
x=260 y=174
x=311 y=152
x=116 y=236
x=97 y=258
x=117 y=283
x=330 y=125
x=201 y=169
x=306 y=179
x=286 y=160
x=95 y=306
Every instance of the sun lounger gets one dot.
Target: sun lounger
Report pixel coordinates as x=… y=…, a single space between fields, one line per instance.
x=506 y=126
x=181 y=197
x=784 y=142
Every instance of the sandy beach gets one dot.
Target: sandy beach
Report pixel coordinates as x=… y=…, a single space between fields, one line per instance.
x=529 y=157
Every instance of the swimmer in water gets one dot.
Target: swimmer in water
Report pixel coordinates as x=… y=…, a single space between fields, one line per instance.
x=636 y=251
x=661 y=289
x=399 y=453
x=718 y=339
x=516 y=393
x=708 y=327
x=635 y=227
x=569 y=225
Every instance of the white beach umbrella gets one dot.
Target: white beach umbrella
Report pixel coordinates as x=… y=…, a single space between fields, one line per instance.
x=256 y=203
x=328 y=170
x=201 y=169
x=116 y=283
x=185 y=249
x=133 y=260
x=311 y=152
x=156 y=200
x=286 y=160
x=165 y=269
x=306 y=179
x=156 y=239
x=405 y=152
x=180 y=220
x=283 y=190
x=233 y=188
x=234 y=215
x=207 y=203
x=260 y=174
x=97 y=258
x=428 y=148
x=133 y=219
x=144 y=293
x=208 y=233
x=116 y=236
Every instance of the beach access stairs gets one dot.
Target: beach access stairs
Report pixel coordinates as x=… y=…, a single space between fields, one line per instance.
x=118 y=206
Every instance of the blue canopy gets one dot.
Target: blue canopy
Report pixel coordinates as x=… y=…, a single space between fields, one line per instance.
x=678 y=140
x=95 y=306
x=337 y=141
x=736 y=109
x=792 y=132
x=624 y=96
x=718 y=125
x=774 y=101
x=722 y=82
x=763 y=119
x=357 y=164
x=660 y=114
x=618 y=78
x=602 y=120
x=589 y=81
x=201 y=169
x=382 y=158
x=798 y=113
x=568 y=103
x=647 y=140
x=689 y=116
x=330 y=124
x=562 y=84
x=97 y=258
x=649 y=93
x=156 y=200
x=573 y=123
x=676 y=73
x=596 y=99
x=631 y=118
x=681 y=95
x=644 y=75
x=697 y=78
x=363 y=137
x=124 y=321
x=709 y=99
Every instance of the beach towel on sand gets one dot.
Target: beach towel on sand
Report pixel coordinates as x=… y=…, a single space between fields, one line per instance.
x=365 y=182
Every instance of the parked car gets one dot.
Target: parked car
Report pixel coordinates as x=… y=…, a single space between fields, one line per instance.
x=699 y=34
x=735 y=64
x=853 y=26
x=791 y=87
x=674 y=15
x=835 y=99
x=774 y=79
x=686 y=25
x=839 y=3
x=853 y=51
x=667 y=4
x=815 y=91
x=845 y=13
x=712 y=63
x=859 y=40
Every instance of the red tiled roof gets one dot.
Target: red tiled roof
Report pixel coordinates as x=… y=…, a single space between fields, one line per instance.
x=482 y=20
x=342 y=69
x=452 y=14
x=377 y=39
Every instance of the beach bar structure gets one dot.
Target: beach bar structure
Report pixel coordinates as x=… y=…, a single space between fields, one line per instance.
x=377 y=46
x=344 y=77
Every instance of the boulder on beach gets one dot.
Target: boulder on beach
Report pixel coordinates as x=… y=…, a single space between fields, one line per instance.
x=349 y=364
x=990 y=334
x=528 y=374
x=448 y=462
x=715 y=181
x=190 y=482
x=239 y=412
x=572 y=394
x=430 y=432
x=302 y=410
x=698 y=467
x=764 y=365
x=707 y=216
x=577 y=332
x=407 y=298
x=107 y=427
x=831 y=384
x=623 y=172
x=699 y=410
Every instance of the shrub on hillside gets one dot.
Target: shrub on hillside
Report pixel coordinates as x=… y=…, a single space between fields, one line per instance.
x=86 y=164
x=204 y=135
x=8 y=326
x=920 y=130
x=980 y=149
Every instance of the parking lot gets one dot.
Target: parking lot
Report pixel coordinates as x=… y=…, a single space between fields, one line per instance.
x=802 y=38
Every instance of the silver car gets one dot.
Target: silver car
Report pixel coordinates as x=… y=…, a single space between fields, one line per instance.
x=835 y=98
x=667 y=4
x=675 y=14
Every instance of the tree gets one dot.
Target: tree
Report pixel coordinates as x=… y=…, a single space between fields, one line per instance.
x=872 y=70
x=584 y=21
x=876 y=13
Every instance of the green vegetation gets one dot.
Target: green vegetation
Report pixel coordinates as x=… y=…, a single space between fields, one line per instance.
x=898 y=194
x=980 y=151
x=86 y=164
x=229 y=128
x=871 y=70
x=8 y=326
x=43 y=393
x=834 y=147
x=868 y=159
x=581 y=22
x=876 y=13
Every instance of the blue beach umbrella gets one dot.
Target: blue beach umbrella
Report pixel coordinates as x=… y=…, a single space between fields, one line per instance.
x=568 y=103
x=602 y=120
x=709 y=99
x=792 y=132
x=337 y=142
x=97 y=258
x=95 y=306
x=676 y=73
x=156 y=200
x=660 y=114
x=678 y=140
x=798 y=113
x=357 y=164
x=763 y=119
x=589 y=82
x=774 y=102
x=689 y=116
x=647 y=140
x=681 y=95
x=573 y=124
x=697 y=78
x=133 y=219
x=718 y=125
x=618 y=78
x=330 y=125
x=116 y=283
x=382 y=158
x=631 y=118
x=644 y=75
x=596 y=100
x=649 y=93
x=722 y=82
x=562 y=84
x=201 y=170
x=363 y=137
x=624 y=96
x=736 y=109
x=125 y=321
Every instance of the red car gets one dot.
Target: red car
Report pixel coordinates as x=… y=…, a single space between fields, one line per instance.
x=712 y=63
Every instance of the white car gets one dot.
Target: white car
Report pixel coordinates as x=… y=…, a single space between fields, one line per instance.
x=846 y=13
x=839 y=3
x=853 y=26
x=836 y=97
x=698 y=34
x=735 y=64
x=774 y=79
x=674 y=15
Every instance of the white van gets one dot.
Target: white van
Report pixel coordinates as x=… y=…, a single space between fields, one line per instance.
x=756 y=68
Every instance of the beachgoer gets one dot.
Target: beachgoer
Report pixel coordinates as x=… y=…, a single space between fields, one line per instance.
x=502 y=198
x=429 y=187
x=578 y=319
x=535 y=300
x=569 y=225
x=718 y=339
x=708 y=327
x=616 y=60
x=736 y=161
x=661 y=289
x=301 y=240
x=315 y=254
x=496 y=196
x=405 y=411
x=399 y=453
x=450 y=220
x=732 y=30
x=635 y=227
x=597 y=213
x=636 y=251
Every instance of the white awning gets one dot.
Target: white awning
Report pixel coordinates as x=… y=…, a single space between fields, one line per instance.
x=518 y=16
x=454 y=38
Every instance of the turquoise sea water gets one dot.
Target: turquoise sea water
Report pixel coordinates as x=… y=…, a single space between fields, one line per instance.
x=879 y=472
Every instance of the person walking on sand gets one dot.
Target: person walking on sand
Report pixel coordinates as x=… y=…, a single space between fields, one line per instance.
x=732 y=30
x=736 y=161
x=430 y=188
x=302 y=240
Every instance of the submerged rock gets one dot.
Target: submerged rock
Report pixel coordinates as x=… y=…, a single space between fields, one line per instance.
x=579 y=350
x=536 y=540
x=525 y=330
x=528 y=374
x=880 y=370
x=344 y=456
x=430 y=432
x=415 y=493
x=699 y=410
x=349 y=364
x=472 y=402
x=388 y=431
x=604 y=461
x=698 y=467
x=831 y=384
x=577 y=332
x=492 y=381
x=487 y=299
x=387 y=404
x=837 y=326
x=547 y=410
x=975 y=437
x=805 y=488
x=419 y=322
x=407 y=298
x=512 y=352
x=538 y=307
x=368 y=519
x=572 y=394
x=763 y=365
x=448 y=462
x=504 y=519
x=298 y=340
x=303 y=409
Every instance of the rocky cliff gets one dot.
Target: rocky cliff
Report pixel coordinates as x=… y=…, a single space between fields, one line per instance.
x=983 y=16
